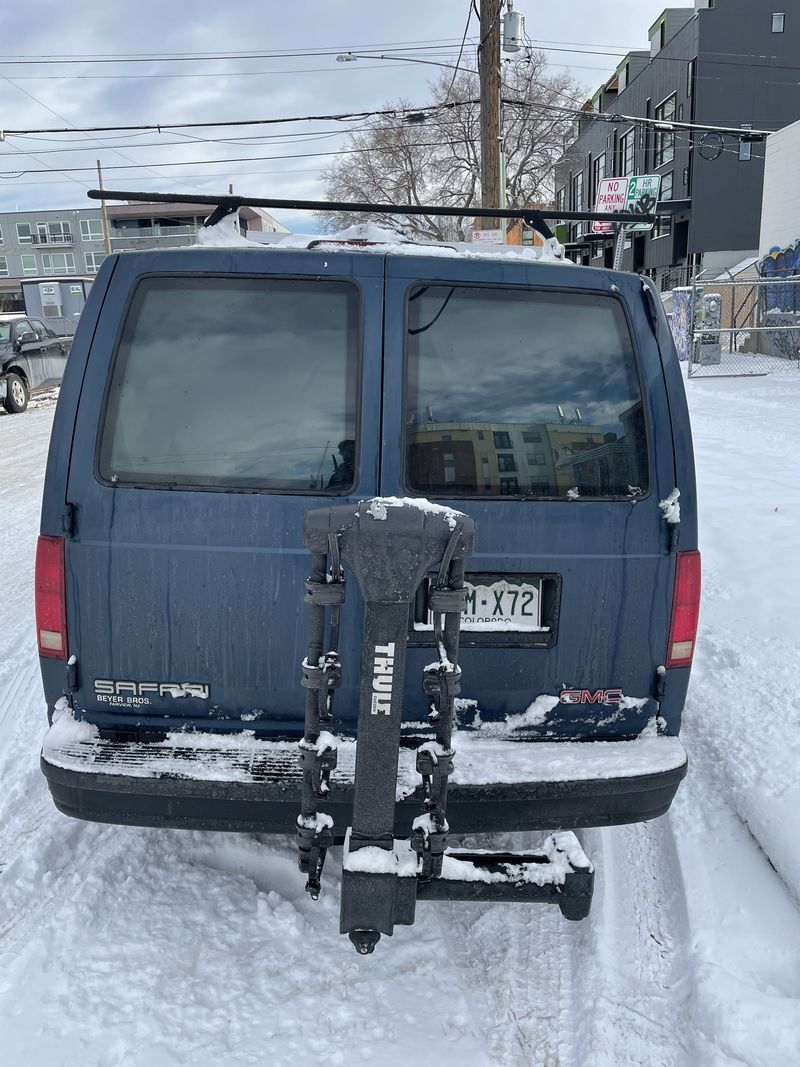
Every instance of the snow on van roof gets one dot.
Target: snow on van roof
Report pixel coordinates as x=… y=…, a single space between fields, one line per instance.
x=381 y=240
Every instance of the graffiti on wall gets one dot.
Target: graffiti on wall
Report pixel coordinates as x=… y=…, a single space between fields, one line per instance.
x=681 y=310
x=781 y=263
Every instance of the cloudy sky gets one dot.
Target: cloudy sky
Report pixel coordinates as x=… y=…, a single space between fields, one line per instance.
x=152 y=74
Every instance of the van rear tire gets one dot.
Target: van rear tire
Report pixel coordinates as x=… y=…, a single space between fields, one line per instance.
x=17 y=396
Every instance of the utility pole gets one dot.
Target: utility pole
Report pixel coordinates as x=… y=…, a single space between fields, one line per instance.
x=104 y=210
x=489 y=68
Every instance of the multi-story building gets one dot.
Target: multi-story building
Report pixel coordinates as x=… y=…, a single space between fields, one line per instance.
x=46 y=244
x=40 y=244
x=729 y=63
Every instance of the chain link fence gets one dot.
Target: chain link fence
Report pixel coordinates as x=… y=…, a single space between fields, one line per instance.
x=741 y=327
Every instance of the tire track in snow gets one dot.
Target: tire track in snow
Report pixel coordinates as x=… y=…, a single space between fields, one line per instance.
x=521 y=957
x=634 y=972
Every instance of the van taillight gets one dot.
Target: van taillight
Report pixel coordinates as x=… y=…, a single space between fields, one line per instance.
x=685 y=609
x=51 y=601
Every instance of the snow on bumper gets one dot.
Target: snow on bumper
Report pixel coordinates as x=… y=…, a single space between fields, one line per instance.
x=235 y=782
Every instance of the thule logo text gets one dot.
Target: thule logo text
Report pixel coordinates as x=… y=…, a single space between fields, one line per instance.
x=382 y=676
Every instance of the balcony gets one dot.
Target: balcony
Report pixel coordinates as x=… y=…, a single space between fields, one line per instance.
x=41 y=239
x=148 y=241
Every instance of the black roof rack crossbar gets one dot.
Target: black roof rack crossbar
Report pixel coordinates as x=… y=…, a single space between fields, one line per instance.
x=227 y=204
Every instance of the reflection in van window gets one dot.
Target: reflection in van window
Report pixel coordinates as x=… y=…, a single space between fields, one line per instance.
x=248 y=382
x=546 y=380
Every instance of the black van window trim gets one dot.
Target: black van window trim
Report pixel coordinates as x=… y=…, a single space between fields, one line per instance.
x=527 y=498
x=226 y=486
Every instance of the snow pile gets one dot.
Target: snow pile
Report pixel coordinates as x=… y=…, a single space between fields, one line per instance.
x=223 y=234
x=670 y=508
x=379 y=504
x=375 y=238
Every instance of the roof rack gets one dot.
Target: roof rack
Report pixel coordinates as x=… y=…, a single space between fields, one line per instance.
x=227 y=204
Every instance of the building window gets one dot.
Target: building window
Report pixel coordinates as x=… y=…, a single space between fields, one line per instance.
x=778 y=22
x=745 y=147
x=3 y=267
x=662 y=34
x=24 y=233
x=577 y=192
x=561 y=197
x=627 y=147
x=58 y=263
x=666 y=187
x=93 y=261
x=663 y=226
x=598 y=173
x=665 y=142
x=509 y=486
x=535 y=459
x=690 y=77
x=502 y=439
x=29 y=266
x=531 y=437
x=1 y=235
x=506 y=462
x=92 y=229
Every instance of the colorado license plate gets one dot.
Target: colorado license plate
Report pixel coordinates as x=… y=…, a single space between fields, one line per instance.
x=503 y=604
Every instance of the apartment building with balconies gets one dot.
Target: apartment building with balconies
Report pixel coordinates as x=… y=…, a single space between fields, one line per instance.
x=49 y=243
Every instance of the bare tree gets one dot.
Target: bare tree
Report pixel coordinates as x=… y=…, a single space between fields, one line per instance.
x=436 y=159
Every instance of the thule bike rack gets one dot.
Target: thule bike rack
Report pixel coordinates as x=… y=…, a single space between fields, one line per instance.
x=391 y=546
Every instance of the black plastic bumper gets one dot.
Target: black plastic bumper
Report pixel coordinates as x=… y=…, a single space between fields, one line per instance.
x=272 y=807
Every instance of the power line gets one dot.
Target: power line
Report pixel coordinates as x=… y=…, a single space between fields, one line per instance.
x=159 y=126
x=242 y=159
x=217 y=74
x=460 y=51
x=41 y=103
x=199 y=57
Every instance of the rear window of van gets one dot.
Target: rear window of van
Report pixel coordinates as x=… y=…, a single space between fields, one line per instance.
x=521 y=393
x=236 y=382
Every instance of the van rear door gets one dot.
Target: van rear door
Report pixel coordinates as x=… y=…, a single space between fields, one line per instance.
x=226 y=392
x=532 y=397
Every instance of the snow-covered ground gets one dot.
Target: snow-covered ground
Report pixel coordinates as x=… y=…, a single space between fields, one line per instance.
x=148 y=948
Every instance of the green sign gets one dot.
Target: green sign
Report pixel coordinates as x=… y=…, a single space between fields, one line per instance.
x=643 y=192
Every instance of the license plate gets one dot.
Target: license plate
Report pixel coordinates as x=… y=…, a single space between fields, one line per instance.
x=503 y=604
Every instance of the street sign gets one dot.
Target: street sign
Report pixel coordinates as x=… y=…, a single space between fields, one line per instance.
x=637 y=193
x=643 y=191
x=612 y=196
x=492 y=237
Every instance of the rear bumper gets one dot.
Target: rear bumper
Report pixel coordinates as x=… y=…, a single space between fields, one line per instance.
x=229 y=783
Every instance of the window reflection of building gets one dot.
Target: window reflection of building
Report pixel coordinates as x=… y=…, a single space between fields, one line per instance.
x=544 y=459
x=488 y=459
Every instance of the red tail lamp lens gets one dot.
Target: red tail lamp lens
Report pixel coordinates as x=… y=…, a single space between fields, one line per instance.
x=685 y=610
x=51 y=602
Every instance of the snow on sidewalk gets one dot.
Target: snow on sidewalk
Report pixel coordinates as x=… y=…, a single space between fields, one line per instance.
x=743 y=710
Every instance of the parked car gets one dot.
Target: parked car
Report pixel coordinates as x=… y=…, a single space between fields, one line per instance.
x=214 y=395
x=32 y=358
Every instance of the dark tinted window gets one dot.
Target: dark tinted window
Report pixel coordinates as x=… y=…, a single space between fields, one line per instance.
x=512 y=367
x=247 y=382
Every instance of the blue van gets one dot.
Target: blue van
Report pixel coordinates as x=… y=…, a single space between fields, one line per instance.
x=213 y=396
